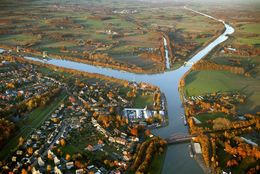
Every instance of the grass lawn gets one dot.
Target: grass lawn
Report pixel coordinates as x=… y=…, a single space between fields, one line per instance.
x=70 y=149
x=248 y=41
x=145 y=63
x=244 y=60
x=84 y=138
x=32 y=121
x=243 y=166
x=120 y=23
x=143 y=101
x=87 y=136
x=157 y=163
x=17 y=39
x=50 y=72
x=201 y=82
x=250 y=28
x=4 y=69
x=94 y=24
x=212 y=116
x=58 y=44
x=122 y=49
x=247 y=34
x=202 y=40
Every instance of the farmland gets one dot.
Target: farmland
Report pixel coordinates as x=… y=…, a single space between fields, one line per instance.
x=215 y=81
x=241 y=50
x=129 y=37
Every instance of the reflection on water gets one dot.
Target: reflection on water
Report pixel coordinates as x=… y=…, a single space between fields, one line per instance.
x=177 y=158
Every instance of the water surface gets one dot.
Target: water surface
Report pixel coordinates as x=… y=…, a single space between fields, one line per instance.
x=177 y=158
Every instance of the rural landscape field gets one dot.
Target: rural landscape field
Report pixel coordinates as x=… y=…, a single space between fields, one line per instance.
x=108 y=36
x=130 y=86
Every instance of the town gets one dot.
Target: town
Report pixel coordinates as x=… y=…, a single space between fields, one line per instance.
x=129 y=87
x=87 y=130
x=214 y=123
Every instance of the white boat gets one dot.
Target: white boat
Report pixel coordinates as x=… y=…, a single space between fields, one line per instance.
x=191 y=151
x=184 y=121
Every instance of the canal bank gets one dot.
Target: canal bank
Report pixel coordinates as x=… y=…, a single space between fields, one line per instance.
x=177 y=159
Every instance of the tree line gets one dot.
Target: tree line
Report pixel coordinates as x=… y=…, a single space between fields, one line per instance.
x=145 y=154
x=208 y=65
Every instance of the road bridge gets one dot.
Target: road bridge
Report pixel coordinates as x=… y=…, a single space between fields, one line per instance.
x=179 y=138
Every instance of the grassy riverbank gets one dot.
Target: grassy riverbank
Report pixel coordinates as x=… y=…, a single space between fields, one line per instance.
x=240 y=51
x=156 y=165
x=203 y=82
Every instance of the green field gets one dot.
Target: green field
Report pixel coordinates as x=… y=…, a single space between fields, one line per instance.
x=248 y=41
x=50 y=72
x=84 y=137
x=247 y=34
x=157 y=163
x=199 y=82
x=53 y=30
x=208 y=116
x=204 y=117
x=87 y=136
x=18 y=39
x=202 y=82
x=250 y=28
x=143 y=101
x=32 y=122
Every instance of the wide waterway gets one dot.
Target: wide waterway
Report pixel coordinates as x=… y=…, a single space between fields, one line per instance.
x=177 y=158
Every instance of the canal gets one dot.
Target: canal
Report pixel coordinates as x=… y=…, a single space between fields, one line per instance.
x=177 y=158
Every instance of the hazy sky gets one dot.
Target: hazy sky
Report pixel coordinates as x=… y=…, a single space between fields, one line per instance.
x=207 y=1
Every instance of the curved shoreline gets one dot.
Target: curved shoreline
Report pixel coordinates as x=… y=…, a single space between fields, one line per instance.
x=168 y=82
x=167 y=65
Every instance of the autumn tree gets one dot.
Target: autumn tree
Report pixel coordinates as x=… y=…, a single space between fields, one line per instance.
x=221 y=123
x=67 y=157
x=6 y=128
x=134 y=131
x=231 y=163
x=30 y=150
x=23 y=171
x=21 y=141
x=62 y=142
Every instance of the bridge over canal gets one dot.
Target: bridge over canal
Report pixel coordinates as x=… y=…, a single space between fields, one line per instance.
x=179 y=138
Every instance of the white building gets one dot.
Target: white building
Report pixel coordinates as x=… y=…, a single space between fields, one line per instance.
x=41 y=162
x=136 y=113
x=197 y=148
